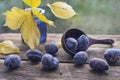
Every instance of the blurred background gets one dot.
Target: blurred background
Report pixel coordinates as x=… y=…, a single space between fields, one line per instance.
x=94 y=16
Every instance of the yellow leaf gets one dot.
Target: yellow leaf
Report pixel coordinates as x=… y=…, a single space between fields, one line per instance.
x=32 y=3
x=30 y=32
x=62 y=10
x=14 y=18
x=59 y=45
x=42 y=17
x=7 y=47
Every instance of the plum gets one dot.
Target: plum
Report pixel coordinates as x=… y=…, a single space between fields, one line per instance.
x=34 y=55
x=12 y=61
x=83 y=43
x=112 y=55
x=72 y=44
x=80 y=58
x=99 y=64
x=51 y=48
x=49 y=62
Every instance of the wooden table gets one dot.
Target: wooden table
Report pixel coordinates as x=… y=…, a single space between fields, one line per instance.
x=67 y=70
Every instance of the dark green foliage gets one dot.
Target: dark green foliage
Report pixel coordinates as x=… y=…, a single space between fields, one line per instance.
x=94 y=16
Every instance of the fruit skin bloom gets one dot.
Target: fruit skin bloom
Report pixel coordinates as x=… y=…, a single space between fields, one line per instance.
x=34 y=55
x=49 y=62
x=112 y=55
x=72 y=44
x=12 y=61
x=83 y=43
x=51 y=48
x=98 y=64
x=80 y=58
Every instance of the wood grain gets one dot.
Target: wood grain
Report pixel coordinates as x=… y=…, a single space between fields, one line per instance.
x=28 y=71
x=93 y=51
x=66 y=70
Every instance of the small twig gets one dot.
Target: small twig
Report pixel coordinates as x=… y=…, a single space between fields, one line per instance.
x=46 y=1
x=23 y=5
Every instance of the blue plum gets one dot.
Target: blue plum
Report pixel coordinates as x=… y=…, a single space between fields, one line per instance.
x=80 y=58
x=51 y=48
x=55 y=62
x=112 y=55
x=34 y=55
x=49 y=62
x=72 y=44
x=83 y=43
x=99 y=64
x=12 y=61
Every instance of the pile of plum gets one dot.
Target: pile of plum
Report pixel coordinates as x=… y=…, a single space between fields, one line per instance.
x=49 y=61
x=79 y=46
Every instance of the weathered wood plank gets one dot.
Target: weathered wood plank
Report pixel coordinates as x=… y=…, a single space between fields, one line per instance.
x=28 y=71
x=93 y=51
